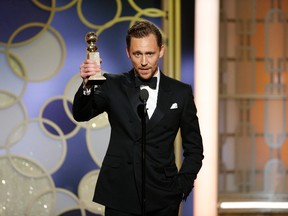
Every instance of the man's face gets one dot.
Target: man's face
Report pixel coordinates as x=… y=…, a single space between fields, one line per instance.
x=144 y=54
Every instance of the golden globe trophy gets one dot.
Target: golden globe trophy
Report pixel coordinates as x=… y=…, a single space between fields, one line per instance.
x=91 y=38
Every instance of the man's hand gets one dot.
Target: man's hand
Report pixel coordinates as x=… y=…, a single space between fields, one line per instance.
x=87 y=69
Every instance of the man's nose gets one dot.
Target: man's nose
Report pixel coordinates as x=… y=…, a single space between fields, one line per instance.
x=143 y=60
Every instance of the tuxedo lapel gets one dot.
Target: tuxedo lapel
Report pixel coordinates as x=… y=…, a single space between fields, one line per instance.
x=133 y=93
x=163 y=102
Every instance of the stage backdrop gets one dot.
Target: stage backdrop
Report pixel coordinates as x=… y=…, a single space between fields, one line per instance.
x=48 y=162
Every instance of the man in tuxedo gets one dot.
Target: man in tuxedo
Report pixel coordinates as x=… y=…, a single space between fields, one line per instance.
x=170 y=107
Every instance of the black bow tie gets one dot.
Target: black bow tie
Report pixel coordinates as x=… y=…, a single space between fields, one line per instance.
x=152 y=83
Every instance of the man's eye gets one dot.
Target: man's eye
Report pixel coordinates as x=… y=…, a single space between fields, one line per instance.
x=137 y=54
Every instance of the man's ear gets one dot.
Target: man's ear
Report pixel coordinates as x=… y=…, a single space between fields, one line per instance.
x=161 y=51
x=127 y=52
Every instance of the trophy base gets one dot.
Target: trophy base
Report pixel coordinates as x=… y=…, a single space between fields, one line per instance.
x=96 y=80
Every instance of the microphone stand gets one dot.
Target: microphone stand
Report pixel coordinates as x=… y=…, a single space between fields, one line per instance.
x=144 y=157
x=144 y=95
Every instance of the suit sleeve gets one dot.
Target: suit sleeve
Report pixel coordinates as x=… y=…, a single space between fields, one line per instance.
x=86 y=107
x=191 y=143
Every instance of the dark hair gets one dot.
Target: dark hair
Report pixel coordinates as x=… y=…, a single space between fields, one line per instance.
x=143 y=29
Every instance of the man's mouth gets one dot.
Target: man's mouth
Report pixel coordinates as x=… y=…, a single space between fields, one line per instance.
x=144 y=69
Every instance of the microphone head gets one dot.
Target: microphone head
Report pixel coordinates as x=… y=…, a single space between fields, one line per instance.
x=144 y=95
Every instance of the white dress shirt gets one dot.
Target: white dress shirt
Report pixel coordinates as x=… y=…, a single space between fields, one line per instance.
x=153 y=95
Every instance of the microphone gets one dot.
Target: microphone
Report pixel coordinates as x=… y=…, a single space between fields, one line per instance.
x=144 y=95
x=141 y=109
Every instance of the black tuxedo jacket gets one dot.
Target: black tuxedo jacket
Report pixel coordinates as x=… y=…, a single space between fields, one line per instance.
x=119 y=181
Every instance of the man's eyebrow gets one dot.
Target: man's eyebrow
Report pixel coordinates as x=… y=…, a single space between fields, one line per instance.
x=147 y=52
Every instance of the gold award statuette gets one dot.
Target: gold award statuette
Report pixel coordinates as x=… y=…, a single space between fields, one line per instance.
x=91 y=39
